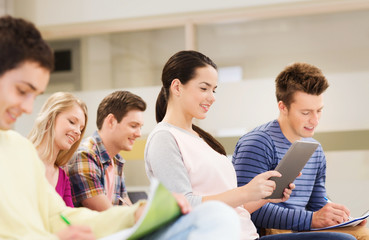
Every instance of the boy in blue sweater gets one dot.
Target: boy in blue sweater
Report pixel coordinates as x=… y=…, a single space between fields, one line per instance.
x=299 y=92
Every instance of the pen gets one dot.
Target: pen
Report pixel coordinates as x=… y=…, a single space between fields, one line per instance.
x=329 y=201
x=65 y=219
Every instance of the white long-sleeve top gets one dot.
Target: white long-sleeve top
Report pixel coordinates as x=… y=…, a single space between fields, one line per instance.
x=186 y=164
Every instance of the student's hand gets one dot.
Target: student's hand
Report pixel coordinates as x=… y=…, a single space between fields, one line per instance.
x=260 y=186
x=76 y=232
x=363 y=223
x=286 y=194
x=139 y=211
x=183 y=203
x=329 y=215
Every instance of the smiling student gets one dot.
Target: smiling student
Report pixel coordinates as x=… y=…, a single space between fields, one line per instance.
x=56 y=134
x=96 y=170
x=299 y=92
x=30 y=207
x=190 y=161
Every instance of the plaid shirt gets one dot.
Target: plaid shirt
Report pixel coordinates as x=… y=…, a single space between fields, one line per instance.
x=86 y=171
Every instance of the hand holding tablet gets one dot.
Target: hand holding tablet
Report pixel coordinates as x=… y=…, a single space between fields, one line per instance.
x=291 y=165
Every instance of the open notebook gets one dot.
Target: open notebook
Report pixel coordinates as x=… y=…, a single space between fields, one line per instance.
x=160 y=209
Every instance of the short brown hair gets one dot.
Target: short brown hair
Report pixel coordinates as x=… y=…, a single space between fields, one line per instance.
x=20 y=41
x=118 y=103
x=302 y=77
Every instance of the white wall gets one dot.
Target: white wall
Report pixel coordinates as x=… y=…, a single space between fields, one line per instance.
x=2 y=7
x=335 y=42
x=96 y=59
x=6 y=7
x=97 y=10
x=348 y=179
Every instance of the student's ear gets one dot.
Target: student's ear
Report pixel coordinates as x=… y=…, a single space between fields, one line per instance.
x=282 y=108
x=110 y=121
x=175 y=87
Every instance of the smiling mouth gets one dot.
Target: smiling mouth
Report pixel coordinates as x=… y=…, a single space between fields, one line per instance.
x=205 y=107
x=71 y=139
x=13 y=117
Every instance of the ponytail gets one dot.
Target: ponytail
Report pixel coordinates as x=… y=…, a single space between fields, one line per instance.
x=210 y=140
x=161 y=105
x=183 y=66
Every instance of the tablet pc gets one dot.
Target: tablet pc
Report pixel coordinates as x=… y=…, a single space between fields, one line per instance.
x=291 y=165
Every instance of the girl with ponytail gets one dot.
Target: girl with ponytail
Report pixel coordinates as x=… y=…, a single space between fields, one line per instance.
x=186 y=158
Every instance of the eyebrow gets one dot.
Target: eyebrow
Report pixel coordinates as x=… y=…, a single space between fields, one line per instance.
x=312 y=109
x=136 y=122
x=208 y=84
x=76 y=119
x=31 y=86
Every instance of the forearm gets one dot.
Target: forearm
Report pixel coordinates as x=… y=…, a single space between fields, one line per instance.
x=102 y=223
x=234 y=198
x=97 y=203
x=274 y=216
x=255 y=205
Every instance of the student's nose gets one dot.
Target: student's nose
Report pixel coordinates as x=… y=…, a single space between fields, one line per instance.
x=138 y=132
x=315 y=119
x=77 y=131
x=212 y=97
x=27 y=105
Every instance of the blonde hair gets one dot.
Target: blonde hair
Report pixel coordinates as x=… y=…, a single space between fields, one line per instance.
x=44 y=128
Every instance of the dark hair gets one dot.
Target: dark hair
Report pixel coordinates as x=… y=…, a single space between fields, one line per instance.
x=299 y=77
x=20 y=41
x=183 y=66
x=118 y=103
